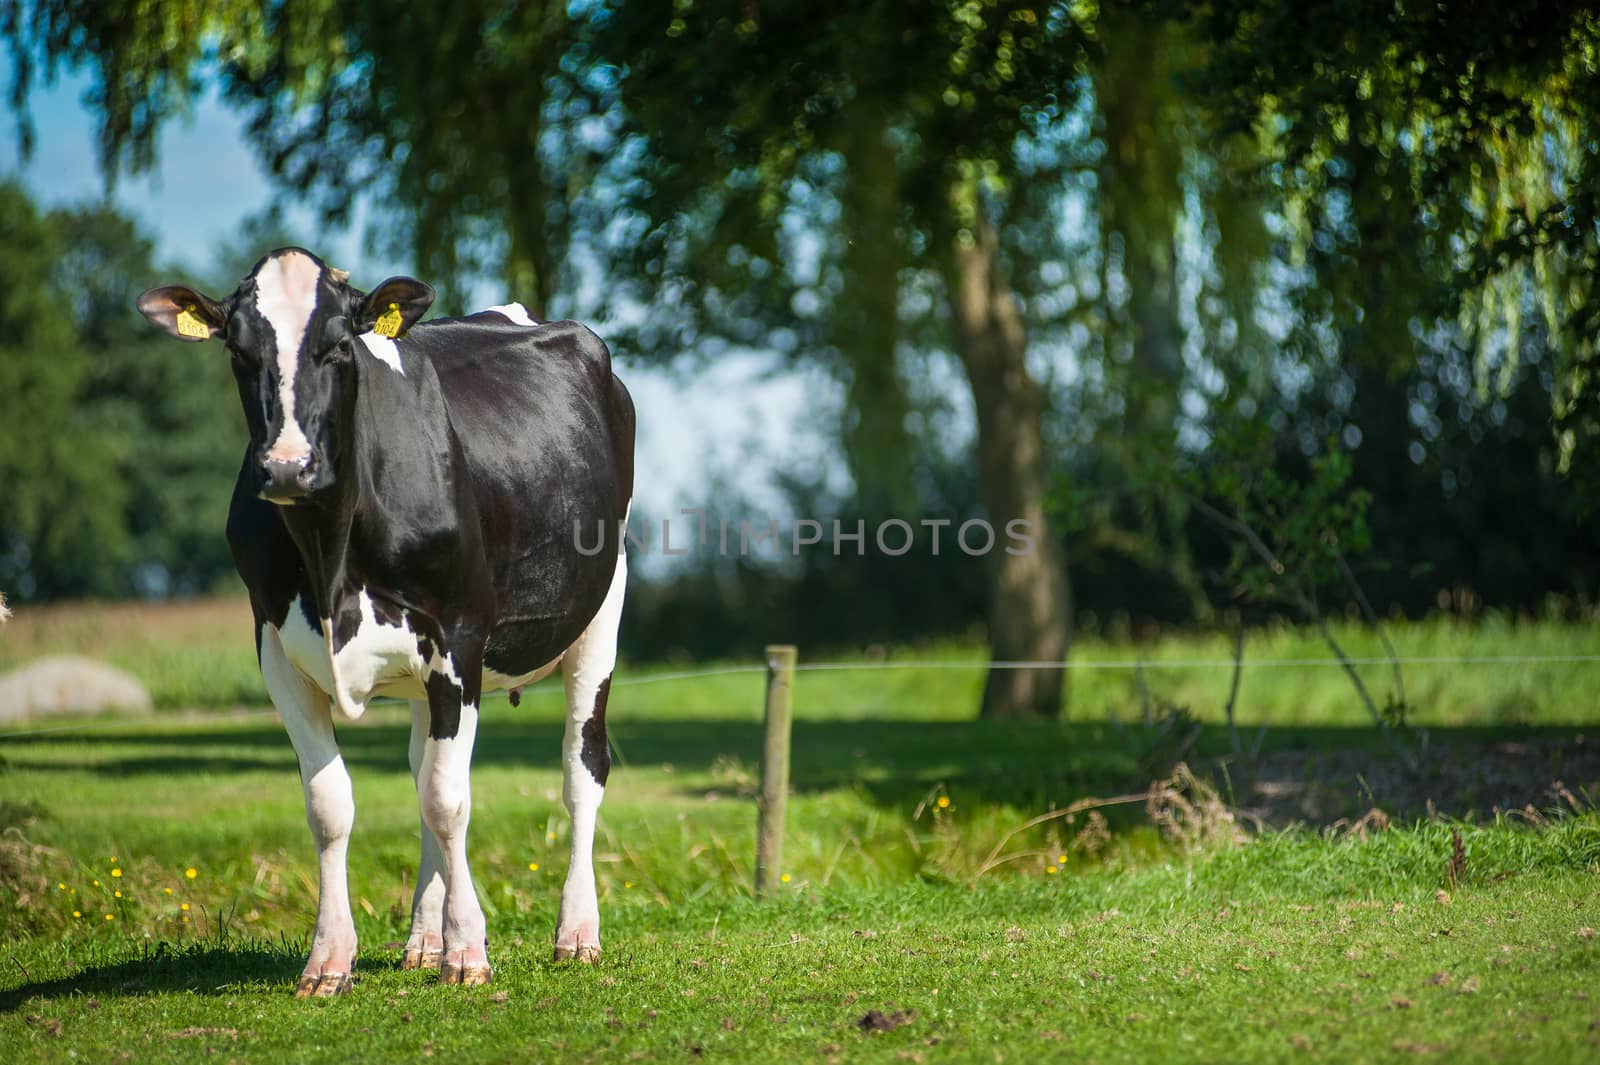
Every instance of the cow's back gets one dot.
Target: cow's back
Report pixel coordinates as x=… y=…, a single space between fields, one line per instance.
x=547 y=433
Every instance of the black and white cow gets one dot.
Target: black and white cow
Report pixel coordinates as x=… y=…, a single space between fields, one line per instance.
x=405 y=520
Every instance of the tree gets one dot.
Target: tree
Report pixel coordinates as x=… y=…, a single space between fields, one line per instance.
x=118 y=452
x=60 y=528
x=1435 y=169
x=915 y=111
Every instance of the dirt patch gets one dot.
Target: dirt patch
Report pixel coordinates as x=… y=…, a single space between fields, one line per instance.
x=1463 y=780
x=878 y=1021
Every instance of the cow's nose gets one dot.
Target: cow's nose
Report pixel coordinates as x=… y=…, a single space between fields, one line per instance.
x=285 y=480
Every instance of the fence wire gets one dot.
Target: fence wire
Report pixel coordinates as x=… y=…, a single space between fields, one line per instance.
x=1207 y=663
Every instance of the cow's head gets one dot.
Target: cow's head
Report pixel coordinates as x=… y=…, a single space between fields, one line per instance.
x=292 y=329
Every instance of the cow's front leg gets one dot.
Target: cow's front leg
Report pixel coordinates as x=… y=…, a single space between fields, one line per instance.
x=585 y=765
x=444 y=791
x=425 y=945
x=330 y=811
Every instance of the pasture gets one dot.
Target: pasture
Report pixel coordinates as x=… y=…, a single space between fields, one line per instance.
x=158 y=880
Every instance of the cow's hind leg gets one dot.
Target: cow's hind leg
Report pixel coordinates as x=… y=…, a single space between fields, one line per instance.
x=585 y=764
x=425 y=945
x=444 y=791
x=330 y=811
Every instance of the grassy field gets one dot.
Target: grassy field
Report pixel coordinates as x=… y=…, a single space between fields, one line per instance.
x=921 y=920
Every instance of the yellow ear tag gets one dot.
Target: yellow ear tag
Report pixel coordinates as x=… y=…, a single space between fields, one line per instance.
x=389 y=322
x=190 y=325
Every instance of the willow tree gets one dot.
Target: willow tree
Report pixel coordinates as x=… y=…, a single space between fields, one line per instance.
x=831 y=158
x=1435 y=169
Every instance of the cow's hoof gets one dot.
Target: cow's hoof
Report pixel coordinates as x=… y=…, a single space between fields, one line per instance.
x=466 y=974
x=422 y=959
x=323 y=985
x=589 y=954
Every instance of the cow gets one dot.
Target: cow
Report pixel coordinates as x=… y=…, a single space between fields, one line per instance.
x=405 y=520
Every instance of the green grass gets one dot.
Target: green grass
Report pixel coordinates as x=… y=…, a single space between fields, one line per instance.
x=1117 y=941
x=1163 y=964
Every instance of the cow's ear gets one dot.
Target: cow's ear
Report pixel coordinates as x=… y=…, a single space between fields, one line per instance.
x=183 y=312
x=395 y=306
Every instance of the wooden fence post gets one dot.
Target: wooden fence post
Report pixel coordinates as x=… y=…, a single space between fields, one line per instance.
x=774 y=766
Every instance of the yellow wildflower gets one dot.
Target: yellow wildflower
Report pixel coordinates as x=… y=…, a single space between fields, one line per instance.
x=167 y=890
x=62 y=886
x=185 y=906
x=77 y=913
x=533 y=867
x=1050 y=869
x=627 y=884
x=785 y=878
x=118 y=894
x=1061 y=859
x=191 y=872
x=116 y=874
x=111 y=917
x=944 y=802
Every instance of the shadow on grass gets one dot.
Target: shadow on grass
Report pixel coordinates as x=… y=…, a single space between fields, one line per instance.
x=892 y=763
x=200 y=968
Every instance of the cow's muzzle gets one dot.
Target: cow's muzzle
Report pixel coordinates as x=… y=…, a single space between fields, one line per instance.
x=285 y=482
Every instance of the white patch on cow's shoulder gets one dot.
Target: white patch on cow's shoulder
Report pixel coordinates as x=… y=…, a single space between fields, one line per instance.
x=516 y=312
x=380 y=659
x=286 y=295
x=305 y=649
x=385 y=350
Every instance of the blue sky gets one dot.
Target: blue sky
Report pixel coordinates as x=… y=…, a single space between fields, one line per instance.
x=735 y=421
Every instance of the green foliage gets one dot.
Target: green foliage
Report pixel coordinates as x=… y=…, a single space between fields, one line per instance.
x=1290 y=533
x=61 y=531
x=814 y=198
x=1431 y=162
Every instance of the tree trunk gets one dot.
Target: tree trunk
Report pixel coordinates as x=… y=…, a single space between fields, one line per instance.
x=1028 y=598
x=877 y=444
x=1141 y=204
